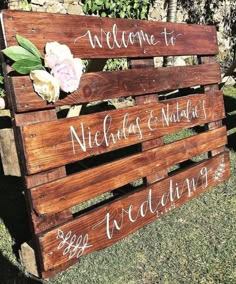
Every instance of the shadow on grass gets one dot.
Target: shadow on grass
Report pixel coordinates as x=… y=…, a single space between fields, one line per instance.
x=230 y=120
x=13 y=214
x=230 y=103
x=10 y=274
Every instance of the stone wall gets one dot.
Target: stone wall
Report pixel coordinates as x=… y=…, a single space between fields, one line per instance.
x=49 y=6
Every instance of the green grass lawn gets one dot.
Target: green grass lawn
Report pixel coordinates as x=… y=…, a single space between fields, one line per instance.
x=195 y=243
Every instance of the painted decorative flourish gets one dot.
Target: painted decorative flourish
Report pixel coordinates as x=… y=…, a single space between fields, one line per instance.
x=57 y=71
x=218 y=174
x=72 y=245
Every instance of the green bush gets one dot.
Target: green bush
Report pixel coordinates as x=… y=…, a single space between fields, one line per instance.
x=134 y=9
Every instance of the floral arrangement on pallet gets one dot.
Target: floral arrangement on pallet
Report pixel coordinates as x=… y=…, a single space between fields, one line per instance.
x=57 y=71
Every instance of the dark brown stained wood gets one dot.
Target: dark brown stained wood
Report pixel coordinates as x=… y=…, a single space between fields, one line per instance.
x=210 y=89
x=44 y=177
x=66 y=192
x=44 y=223
x=146 y=99
x=22 y=119
x=146 y=145
x=52 y=144
x=41 y=223
x=56 y=269
x=106 y=225
x=117 y=37
x=106 y=85
x=29 y=118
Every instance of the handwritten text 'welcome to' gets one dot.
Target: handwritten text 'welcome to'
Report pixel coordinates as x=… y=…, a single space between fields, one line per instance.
x=116 y=38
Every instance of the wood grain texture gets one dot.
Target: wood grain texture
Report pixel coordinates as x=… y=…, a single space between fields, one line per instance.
x=66 y=192
x=8 y=154
x=141 y=63
x=210 y=89
x=141 y=38
x=96 y=86
x=39 y=223
x=106 y=225
x=150 y=144
x=52 y=144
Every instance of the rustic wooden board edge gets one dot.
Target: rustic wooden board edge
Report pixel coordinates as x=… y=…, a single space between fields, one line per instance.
x=73 y=239
x=28 y=259
x=8 y=153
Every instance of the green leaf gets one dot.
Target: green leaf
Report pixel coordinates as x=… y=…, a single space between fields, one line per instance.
x=24 y=66
x=85 y=8
x=122 y=14
x=89 y=3
x=94 y=8
x=17 y=53
x=28 y=45
x=99 y=2
x=107 y=5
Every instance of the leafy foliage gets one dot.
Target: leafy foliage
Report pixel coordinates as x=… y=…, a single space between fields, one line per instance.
x=28 y=45
x=3 y=4
x=135 y=9
x=26 y=56
x=2 y=91
x=116 y=64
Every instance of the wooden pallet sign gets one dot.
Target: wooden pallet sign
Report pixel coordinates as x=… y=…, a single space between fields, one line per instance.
x=69 y=162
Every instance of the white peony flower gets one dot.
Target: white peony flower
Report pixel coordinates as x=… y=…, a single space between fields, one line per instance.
x=2 y=103
x=68 y=74
x=56 y=53
x=45 y=85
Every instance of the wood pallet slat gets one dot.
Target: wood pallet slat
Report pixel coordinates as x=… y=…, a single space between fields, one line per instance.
x=96 y=86
x=111 y=38
x=64 y=193
x=55 y=143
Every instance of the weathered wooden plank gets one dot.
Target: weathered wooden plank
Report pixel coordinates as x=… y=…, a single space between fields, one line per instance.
x=8 y=153
x=71 y=190
x=56 y=269
x=98 y=37
x=44 y=177
x=106 y=85
x=52 y=144
x=27 y=258
x=22 y=119
x=44 y=223
x=108 y=224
